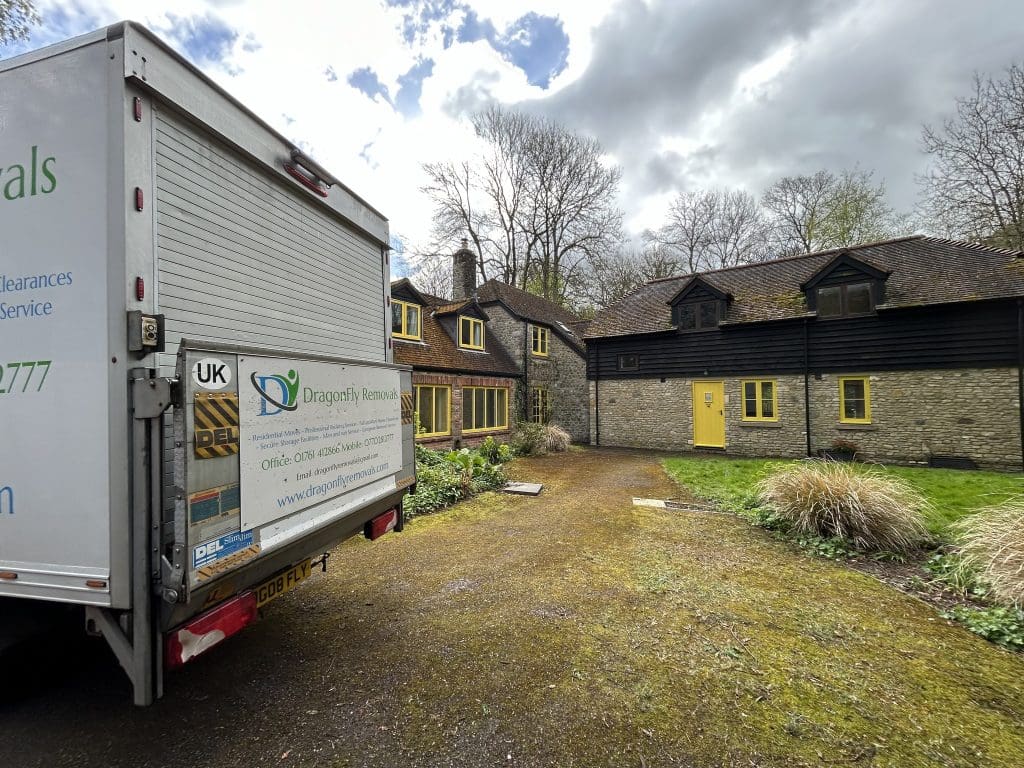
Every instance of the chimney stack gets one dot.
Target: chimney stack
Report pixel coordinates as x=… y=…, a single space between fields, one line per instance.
x=463 y=272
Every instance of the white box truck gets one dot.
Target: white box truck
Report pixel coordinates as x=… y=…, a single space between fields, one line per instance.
x=197 y=395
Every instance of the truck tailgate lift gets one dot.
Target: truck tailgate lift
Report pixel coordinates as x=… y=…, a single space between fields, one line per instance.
x=134 y=635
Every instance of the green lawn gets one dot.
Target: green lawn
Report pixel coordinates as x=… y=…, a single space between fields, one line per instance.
x=952 y=492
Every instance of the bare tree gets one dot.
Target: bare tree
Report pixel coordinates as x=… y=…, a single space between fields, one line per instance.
x=975 y=187
x=710 y=229
x=798 y=205
x=536 y=203
x=688 y=229
x=17 y=17
x=572 y=212
x=825 y=210
x=620 y=271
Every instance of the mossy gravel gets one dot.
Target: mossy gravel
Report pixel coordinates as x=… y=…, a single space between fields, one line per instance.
x=575 y=629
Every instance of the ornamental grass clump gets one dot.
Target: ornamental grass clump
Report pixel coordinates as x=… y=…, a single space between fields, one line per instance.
x=992 y=546
x=556 y=439
x=865 y=507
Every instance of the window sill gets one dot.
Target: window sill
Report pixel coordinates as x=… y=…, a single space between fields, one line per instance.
x=847 y=427
x=761 y=424
x=485 y=431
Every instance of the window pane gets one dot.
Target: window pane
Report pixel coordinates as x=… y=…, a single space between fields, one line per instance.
x=687 y=316
x=479 y=409
x=858 y=299
x=492 y=396
x=423 y=407
x=441 y=410
x=412 y=317
x=464 y=331
x=708 y=314
x=629 y=362
x=829 y=304
x=478 y=334
x=750 y=400
x=768 y=399
x=502 y=418
x=853 y=399
x=467 y=408
x=396 y=317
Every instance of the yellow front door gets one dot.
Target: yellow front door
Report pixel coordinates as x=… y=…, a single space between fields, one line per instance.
x=708 y=414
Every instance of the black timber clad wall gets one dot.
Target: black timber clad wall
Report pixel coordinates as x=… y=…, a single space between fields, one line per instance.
x=961 y=336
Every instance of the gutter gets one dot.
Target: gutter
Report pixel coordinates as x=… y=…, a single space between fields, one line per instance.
x=807 y=388
x=1020 y=373
x=597 y=397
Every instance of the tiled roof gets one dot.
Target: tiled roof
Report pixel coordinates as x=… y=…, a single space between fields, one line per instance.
x=525 y=304
x=923 y=270
x=438 y=351
x=533 y=308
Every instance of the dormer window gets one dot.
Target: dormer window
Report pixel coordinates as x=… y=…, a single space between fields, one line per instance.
x=405 y=320
x=471 y=333
x=845 y=287
x=849 y=300
x=699 y=305
x=697 y=315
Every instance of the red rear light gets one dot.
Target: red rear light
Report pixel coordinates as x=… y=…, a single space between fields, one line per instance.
x=381 y=524
x=139 y=202
x=209 y=629
x=140 y=289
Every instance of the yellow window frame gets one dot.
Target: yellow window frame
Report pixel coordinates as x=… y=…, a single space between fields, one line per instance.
x=539 y=405
x=433 y=407
x=843 y=419
x=540 y=341
x=406 y=332
x=472 y=324
x=759 y=400
x=468 y=400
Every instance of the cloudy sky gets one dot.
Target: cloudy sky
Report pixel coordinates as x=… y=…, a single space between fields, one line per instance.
x=683 y=94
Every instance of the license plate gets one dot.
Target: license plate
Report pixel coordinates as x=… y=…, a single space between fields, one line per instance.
x=283 y=582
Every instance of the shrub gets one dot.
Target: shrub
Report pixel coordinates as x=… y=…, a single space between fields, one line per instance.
x=992 y=545
x=437 y=485
x=1003 y=626
x=495 y=452
x=528 y=439
x=870 y=510
x=556 y=439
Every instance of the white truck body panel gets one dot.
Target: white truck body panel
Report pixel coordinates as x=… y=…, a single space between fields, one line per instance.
x=232 y=251
x=57 y=415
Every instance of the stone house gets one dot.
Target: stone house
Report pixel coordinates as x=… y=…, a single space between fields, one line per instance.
x=525 y=349
x=465 y=382
x=908 y=351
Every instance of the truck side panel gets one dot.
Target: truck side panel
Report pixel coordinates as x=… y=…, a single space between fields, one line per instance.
x=57 y=353
x=242 y=258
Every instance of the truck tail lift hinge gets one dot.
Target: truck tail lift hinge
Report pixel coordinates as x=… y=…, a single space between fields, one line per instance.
x=321 y=561
x=171 y=582
x=151 y=397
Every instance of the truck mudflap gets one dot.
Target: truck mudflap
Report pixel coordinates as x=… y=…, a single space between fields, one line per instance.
x=274 y=451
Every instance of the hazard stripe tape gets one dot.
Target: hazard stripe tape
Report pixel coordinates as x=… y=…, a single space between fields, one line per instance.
x=216 y=424
x=407 y=408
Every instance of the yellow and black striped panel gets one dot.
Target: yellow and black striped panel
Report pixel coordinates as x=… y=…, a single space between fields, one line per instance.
x=407 y=408
x=216 y=424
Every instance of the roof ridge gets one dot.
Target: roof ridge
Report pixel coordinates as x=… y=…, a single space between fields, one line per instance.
x=794 y=257
x=975 y=246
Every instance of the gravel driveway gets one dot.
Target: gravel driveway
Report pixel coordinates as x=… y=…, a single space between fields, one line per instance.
x=572 y=629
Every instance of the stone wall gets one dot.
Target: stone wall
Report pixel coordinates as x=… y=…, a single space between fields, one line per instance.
x=456 y=439
x=917 y=414
x=563 y=372
x=914 y=415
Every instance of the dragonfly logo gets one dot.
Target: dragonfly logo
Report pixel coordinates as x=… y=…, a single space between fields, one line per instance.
x=277 y=393
x=6 y=500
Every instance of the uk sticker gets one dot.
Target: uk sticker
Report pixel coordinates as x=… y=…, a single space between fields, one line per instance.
x=211 y=373
x=206 y=553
